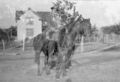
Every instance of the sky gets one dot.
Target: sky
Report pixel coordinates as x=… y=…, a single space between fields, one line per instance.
x=101 y=12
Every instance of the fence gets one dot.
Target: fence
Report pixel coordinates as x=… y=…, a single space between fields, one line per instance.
x=89 y=44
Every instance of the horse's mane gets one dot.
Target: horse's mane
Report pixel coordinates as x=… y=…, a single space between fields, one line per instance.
x=66 y=30
x=72 y=24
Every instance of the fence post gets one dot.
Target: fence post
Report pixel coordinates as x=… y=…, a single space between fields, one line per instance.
x=82 y=44
x=3 y=42
x=23 y=43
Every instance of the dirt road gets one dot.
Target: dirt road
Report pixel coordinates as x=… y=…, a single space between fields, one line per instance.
x=101 y=67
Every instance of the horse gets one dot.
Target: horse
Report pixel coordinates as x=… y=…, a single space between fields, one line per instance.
x=63 y=48
x=81 y=27
x=67 y=42
x=48 y=47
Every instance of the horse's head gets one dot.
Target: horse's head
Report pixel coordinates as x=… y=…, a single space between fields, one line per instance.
x=82 y=26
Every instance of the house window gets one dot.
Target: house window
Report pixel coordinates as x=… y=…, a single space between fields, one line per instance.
x=30 y=20
x=29 y=32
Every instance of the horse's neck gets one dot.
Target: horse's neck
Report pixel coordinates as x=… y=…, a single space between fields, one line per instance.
x=72 y=36
x=72 y=24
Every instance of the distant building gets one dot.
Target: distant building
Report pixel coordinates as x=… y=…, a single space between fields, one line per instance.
x=31 y=23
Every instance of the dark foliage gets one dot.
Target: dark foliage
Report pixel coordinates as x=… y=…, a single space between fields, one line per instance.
x=111 y=29
x=3 y=35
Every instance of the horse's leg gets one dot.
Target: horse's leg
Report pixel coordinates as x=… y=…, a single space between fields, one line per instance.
x=59 y=66
x=68 y=64
x=37 y=60
x=49 y=59
x=46 y=61
x=58 y=70
x=46 y=65
x=39 y=74
x=64 y=68
x=68 y=58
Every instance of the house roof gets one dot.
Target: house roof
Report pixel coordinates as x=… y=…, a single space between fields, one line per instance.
x=18 y=14
x=43 y=15
x=46 y=16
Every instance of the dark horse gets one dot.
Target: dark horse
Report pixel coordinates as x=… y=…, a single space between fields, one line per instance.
x=48 y=47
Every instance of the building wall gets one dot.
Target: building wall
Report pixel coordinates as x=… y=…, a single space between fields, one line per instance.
x=24 y=28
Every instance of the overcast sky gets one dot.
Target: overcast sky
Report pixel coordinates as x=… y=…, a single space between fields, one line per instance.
x=101 y=12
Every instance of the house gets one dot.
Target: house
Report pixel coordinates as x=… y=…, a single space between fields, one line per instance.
x=31 y=23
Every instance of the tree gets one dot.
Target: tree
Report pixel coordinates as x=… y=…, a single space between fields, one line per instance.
x=115 y=28
x=3 y=39
x=3 y=35
x=63 y=11
x=12 y=31
x=111 y=29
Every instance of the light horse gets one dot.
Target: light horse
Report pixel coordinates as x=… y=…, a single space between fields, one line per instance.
x=67 y=44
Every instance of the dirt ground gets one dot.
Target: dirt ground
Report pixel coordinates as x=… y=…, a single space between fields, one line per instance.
x=102 y=66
